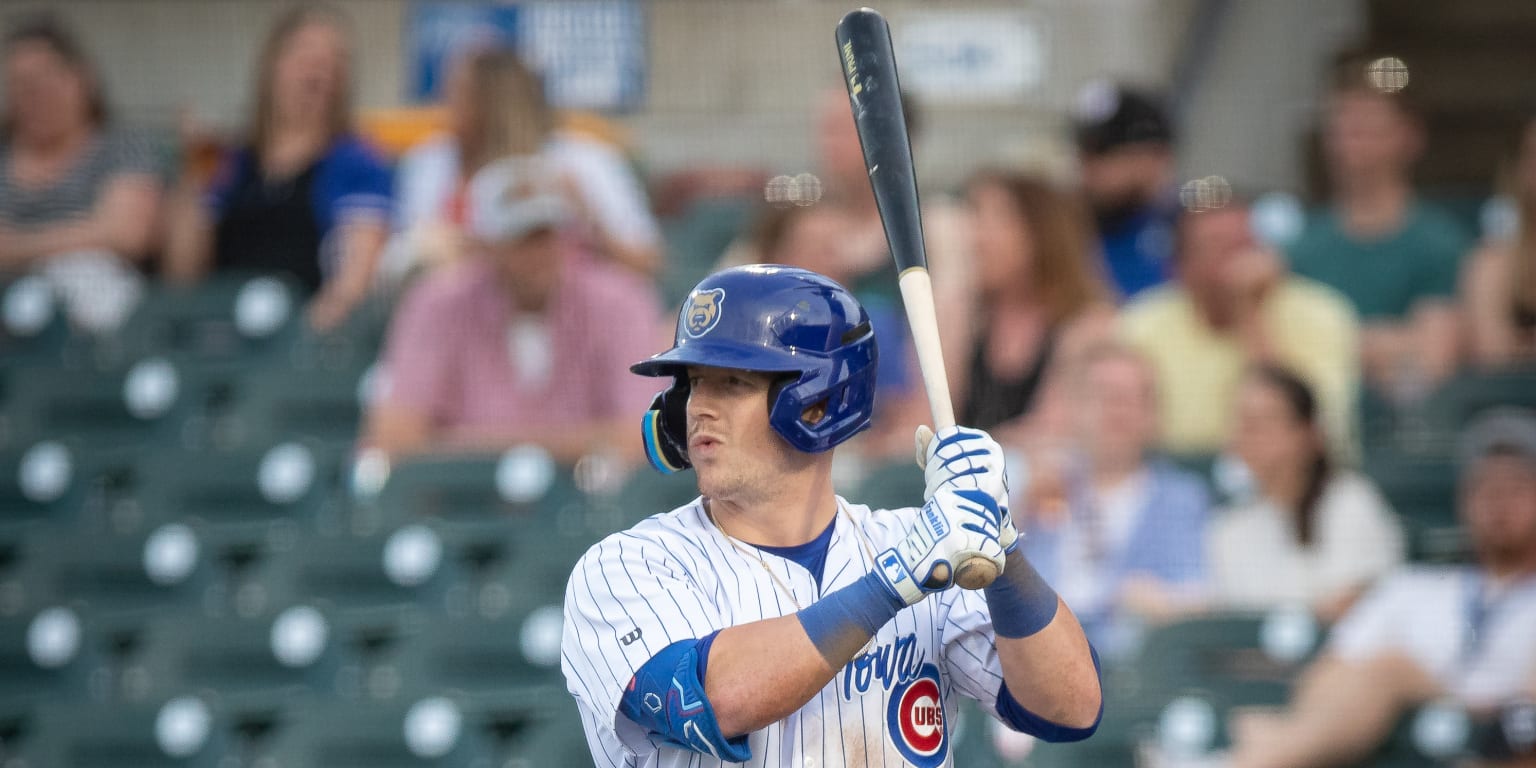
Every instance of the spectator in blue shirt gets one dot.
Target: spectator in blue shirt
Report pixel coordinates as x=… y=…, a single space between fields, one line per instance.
x=305 y=196
x=1123 y=541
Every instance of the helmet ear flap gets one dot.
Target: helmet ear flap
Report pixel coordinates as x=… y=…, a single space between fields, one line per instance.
x=664 y=429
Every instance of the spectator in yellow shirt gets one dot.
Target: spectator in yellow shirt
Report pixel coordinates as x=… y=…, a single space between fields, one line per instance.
x=1233 y=304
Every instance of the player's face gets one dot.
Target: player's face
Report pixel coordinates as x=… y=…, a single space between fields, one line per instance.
x=1499 y=505
x=735 y=453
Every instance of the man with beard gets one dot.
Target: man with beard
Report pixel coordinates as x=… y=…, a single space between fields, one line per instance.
x=1125 y=150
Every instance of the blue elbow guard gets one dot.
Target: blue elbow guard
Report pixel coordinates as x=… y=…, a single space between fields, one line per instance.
x=1024 y=721
x=666 y=698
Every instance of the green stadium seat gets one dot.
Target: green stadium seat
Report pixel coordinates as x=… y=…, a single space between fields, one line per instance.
x=697 y=238
x=33 y=329
x=106 y=574
x=475 y=655
x=267 y=657
x=47 y=654
x=1469 y=394
x=431 y=732
x=147 y=400
x=286 y=483
x=895 y=485
x=179 y=732
x=1221 y=654
x=48 y=480
x=228 y=318
x=406 y=567
x=282 y=403
x=1422 y=490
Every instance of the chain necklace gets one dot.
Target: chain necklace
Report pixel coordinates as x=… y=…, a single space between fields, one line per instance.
x=778 y=583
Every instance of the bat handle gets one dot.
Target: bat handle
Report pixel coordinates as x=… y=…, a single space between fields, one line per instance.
x=923 y=319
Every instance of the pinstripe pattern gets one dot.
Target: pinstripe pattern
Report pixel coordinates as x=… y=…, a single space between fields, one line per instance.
x=675 y=577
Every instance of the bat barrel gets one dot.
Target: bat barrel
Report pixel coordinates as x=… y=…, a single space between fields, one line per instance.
x=874 y=93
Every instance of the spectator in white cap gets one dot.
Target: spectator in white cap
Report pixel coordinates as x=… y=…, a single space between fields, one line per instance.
x=1465 y=633
x=524 y=342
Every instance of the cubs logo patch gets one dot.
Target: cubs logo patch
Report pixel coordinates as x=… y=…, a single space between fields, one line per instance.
x=916 y=720
x=702 y=311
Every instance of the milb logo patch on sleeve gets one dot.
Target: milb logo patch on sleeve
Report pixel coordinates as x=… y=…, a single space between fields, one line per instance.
x=916 y=720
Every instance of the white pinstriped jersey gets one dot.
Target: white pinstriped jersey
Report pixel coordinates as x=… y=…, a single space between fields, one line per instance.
x=675 y=576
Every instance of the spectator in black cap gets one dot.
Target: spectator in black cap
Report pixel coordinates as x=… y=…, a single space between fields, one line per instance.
x=1125 y=147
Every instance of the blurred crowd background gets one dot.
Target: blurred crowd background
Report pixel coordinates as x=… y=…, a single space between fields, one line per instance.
x=315 y=323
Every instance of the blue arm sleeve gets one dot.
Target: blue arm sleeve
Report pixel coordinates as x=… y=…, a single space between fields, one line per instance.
x=1020 y=719
x=666 y=698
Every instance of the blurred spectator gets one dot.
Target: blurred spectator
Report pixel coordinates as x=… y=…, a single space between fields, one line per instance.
x=1128 y=545
x=496 y=108
x=1039 y=300
x=523 y=342
x=807 y=237
x=1392 y=255
x=1232 y=305
x=1498 y=289
x=1125 y=150
x=1310 y=533
x=78 y=199
x=1425 y=633
x=305 y=196
x=862 y=257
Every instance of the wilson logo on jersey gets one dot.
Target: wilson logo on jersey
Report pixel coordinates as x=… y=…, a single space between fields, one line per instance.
x=916 y=720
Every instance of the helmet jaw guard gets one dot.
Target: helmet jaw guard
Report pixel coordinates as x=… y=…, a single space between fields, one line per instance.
x=774 y=320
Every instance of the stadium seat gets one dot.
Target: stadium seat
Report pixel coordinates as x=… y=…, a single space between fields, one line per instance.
x=184 y=731
x=144 y=401
x=1226 y=654
x=107 y=574
x=47 y=654
x=288 y=482
x=482 y=656
x=228 y=318
x=283 y=403
x=1471 y=393
x=402 y=568
x=431 y=732
x=1422 y=491
x=697 y=238
x=894 y=485
x=47 y=480
x=268 y=657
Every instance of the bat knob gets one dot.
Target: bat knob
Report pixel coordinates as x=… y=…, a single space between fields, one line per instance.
x=976 y=573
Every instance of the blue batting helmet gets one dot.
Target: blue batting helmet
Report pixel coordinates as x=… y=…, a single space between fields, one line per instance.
x=776 y=320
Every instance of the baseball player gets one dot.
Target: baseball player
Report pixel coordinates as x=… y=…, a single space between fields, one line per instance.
x=772 y=623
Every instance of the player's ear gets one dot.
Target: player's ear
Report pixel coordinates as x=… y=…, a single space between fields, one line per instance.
x=814 y=414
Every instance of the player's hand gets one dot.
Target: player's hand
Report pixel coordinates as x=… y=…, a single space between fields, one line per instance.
x=954 y=526
x=961 y=457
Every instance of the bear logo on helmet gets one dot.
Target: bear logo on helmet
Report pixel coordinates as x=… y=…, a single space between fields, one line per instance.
x=702 y=311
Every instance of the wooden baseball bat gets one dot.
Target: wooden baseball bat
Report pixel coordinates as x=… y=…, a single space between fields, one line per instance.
x=869 y=71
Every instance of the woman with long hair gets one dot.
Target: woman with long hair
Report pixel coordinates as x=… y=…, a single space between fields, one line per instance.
x=304 y=196
x=1039 y=301
x=1311 y=533
x=496 y=108
x=1498 y=286
x=78 y=198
